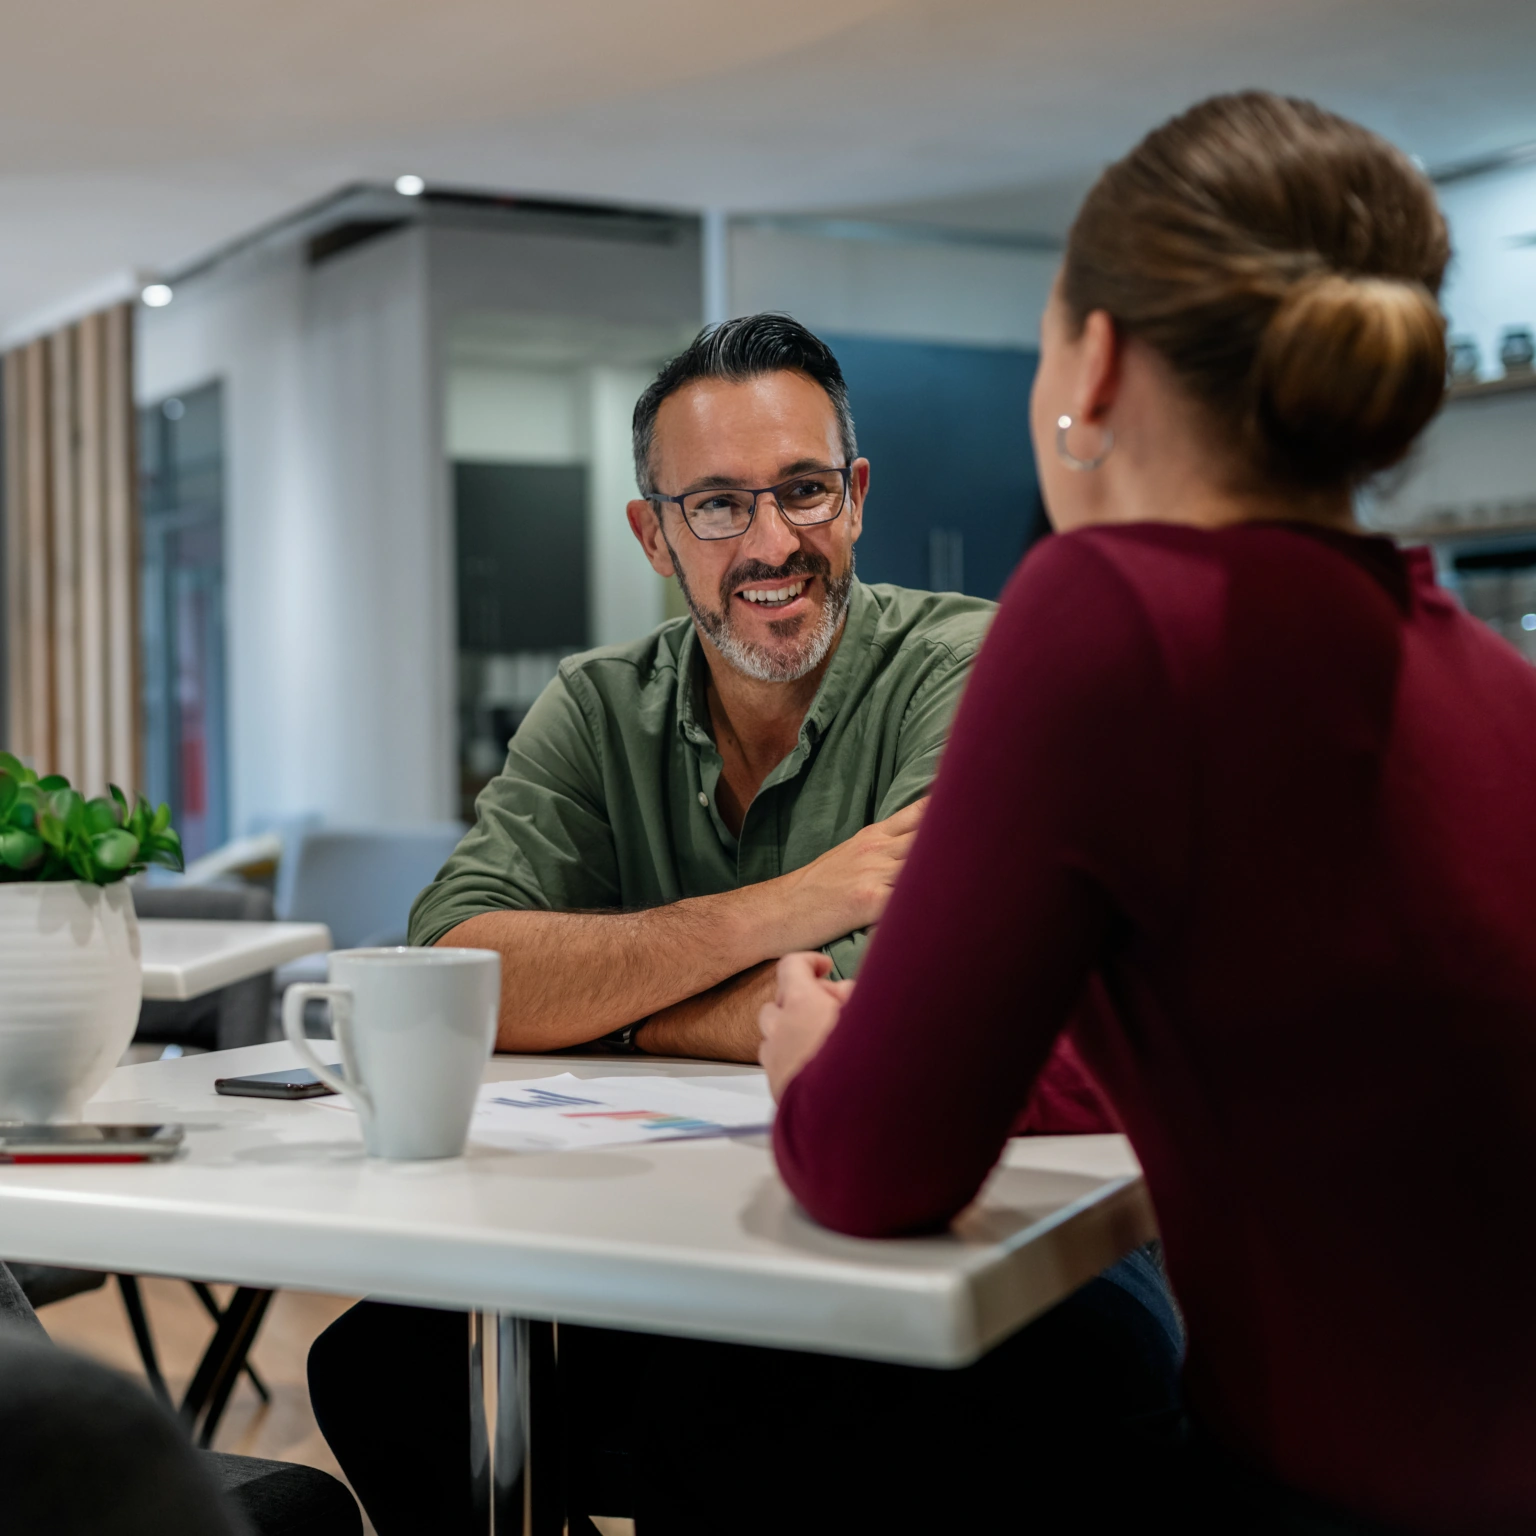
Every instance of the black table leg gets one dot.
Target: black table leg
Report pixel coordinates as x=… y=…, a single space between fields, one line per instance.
x=220 y=1366
x=216 y=1312
x=138 y=1320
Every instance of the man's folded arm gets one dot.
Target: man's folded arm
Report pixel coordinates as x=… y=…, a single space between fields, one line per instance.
x=541 y=857
x=537 y=879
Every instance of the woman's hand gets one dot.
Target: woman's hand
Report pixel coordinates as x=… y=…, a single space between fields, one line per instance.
x=800 y=1017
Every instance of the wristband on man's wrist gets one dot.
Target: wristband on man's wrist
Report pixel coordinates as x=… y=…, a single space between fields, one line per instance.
x=621 y=1042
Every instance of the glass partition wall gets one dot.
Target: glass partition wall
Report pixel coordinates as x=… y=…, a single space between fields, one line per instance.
x=181 y=465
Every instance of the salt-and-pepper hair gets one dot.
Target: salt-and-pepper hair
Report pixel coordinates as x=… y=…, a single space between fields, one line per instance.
x=735 y=351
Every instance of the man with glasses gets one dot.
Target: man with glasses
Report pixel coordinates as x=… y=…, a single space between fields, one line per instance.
x=678 y=812
x=674 y=815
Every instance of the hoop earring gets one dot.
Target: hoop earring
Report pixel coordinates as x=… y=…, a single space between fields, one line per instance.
x=1070 y=459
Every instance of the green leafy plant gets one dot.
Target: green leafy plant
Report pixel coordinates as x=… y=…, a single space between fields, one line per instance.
x=49 y=831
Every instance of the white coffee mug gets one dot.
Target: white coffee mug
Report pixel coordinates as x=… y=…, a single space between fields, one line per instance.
x=415 y=1028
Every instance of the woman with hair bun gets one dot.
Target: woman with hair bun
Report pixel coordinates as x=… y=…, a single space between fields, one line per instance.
x=1241 y=797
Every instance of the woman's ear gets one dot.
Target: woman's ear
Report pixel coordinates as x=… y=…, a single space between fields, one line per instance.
x=1100 y=350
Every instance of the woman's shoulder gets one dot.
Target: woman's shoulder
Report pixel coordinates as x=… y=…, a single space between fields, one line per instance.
x=1153 y=567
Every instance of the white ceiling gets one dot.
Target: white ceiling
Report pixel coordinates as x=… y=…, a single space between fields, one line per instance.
x=137 y=137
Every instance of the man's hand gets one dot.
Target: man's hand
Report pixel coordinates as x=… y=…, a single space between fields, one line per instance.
x=802 y=1014
x=846 y=889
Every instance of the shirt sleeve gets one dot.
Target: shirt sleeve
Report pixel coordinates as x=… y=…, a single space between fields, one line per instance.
x=541 y=838
x=924 y=730
x=1054 y=815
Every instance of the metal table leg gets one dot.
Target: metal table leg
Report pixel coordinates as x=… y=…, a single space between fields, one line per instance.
x=515 y=1460
x=498 y=1387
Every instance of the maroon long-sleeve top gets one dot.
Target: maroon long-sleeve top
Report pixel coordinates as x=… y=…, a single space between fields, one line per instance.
x=1255 y=811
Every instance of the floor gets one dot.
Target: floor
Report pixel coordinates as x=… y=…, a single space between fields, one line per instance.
x=283 y=1430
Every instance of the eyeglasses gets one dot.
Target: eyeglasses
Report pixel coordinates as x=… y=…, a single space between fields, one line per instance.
x=816 y=496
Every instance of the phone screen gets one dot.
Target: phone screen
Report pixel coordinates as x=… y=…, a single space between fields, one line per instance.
x=83 y=1135
x=88 y=1143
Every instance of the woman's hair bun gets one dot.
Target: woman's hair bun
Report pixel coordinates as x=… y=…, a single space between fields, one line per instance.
x=1285 y=263
x=1348 y=372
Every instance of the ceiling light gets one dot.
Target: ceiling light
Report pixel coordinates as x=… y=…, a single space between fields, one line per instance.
x=410 y=186
x=157 y=295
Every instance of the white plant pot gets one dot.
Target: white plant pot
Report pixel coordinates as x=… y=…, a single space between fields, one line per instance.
x=70 y=984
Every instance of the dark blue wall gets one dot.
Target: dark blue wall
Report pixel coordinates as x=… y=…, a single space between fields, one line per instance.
x=946 y=431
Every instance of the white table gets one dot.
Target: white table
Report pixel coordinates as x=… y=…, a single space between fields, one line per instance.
x=691 y=1238
x=186 y=957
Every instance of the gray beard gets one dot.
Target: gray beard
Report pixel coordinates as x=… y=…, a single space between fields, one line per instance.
x=759 y=662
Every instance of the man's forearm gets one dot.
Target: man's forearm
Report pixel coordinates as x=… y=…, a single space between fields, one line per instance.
x=720 y=1024
x=570 y=977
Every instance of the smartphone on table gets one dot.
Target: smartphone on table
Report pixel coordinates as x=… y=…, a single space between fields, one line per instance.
x=88 y=1143
x=290 y=1083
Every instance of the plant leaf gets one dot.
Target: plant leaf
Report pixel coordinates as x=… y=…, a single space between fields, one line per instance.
x=162 y=820
x=9 y=790
x=164 y=850
x=11 y=764
x=69 y=808
x=20 y=849
x=114 y=850
x=52 y=782
x=100 y=816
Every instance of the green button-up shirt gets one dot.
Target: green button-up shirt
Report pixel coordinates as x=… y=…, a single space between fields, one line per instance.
x=607 y=800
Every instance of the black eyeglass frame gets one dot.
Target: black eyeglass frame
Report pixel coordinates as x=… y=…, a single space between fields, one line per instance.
x=845 y=470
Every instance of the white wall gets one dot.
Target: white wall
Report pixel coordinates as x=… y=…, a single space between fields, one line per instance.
x=1492 y=280
x=973 y=295
x=338 y=588
x=627 y=597
x=512 y=415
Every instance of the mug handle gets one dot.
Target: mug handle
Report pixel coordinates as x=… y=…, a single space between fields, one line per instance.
x=340 y=999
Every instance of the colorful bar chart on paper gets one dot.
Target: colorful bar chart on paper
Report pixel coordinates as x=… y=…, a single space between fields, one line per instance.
x=554 y=1114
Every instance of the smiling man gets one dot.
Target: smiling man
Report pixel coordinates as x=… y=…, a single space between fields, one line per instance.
x=678 y=812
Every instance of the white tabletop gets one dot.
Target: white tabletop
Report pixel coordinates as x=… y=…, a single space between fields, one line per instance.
x=694 y=1238
x=186 y=957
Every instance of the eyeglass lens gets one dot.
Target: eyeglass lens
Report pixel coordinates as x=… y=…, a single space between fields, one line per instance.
x=815 y=497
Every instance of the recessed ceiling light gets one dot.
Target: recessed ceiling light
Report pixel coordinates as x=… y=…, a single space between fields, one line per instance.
x=410 y=186
x=157 y=295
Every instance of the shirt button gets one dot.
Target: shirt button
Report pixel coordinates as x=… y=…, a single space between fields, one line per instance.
x=703 y=798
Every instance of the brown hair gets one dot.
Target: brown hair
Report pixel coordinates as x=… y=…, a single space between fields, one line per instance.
x=1285 y=262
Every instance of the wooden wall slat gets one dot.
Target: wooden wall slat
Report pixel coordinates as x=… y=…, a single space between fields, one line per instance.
x=72 y=558
x=125 y=761
x=66 y=554
x=38 y=744
x=17 y=674
x=91 y=489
